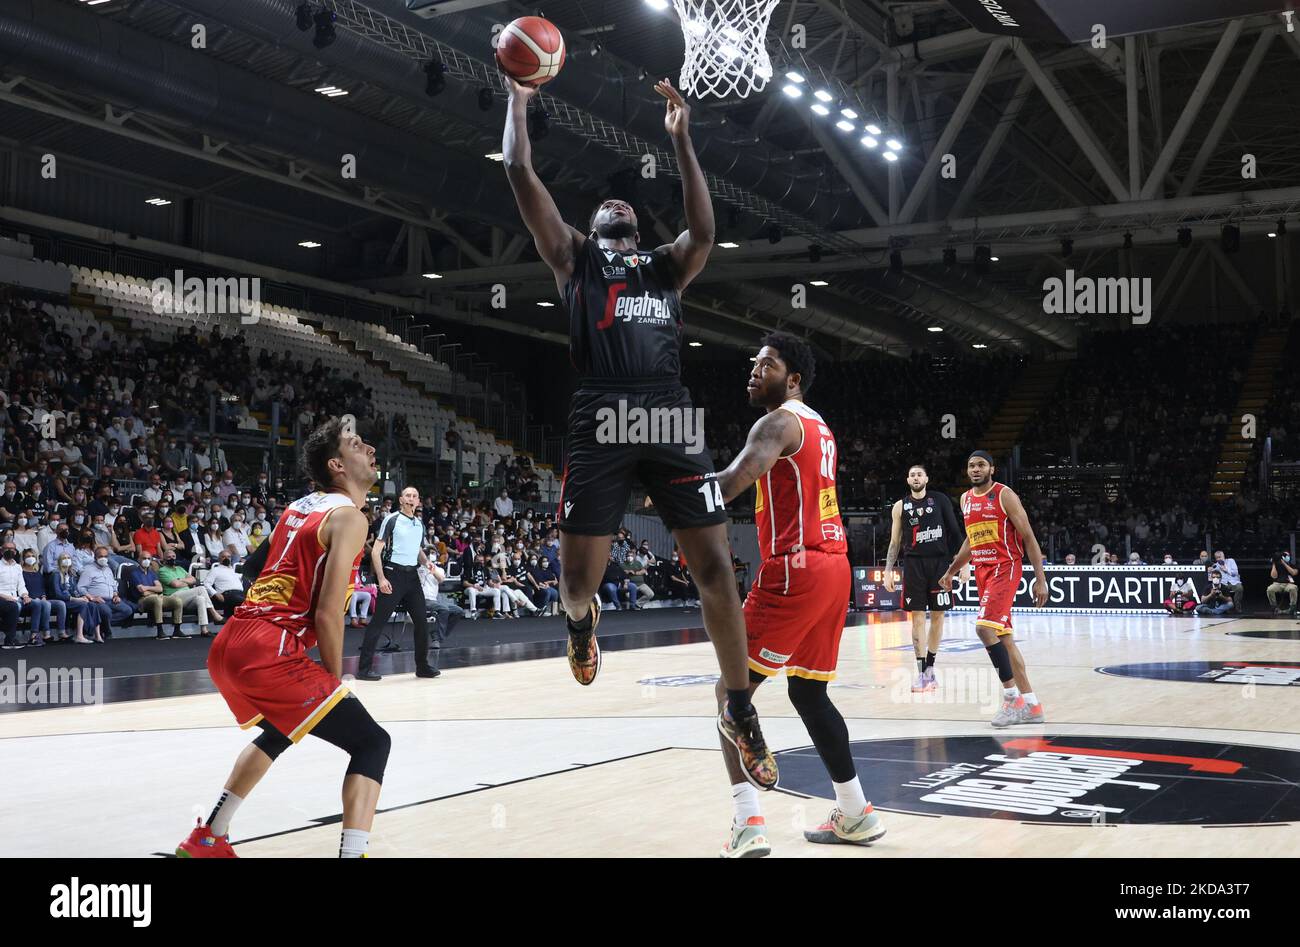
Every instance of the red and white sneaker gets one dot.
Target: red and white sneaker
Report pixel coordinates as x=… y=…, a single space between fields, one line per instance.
x=748 y=840
x=203 y=844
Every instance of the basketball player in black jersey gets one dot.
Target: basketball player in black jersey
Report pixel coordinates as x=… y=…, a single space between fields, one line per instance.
x=926 y=530
x=625 y=337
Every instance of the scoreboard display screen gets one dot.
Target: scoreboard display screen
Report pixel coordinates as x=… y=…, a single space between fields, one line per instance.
x=869 y=592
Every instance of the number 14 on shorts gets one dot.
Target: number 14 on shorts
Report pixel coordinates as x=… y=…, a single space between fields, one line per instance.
x=712 y=491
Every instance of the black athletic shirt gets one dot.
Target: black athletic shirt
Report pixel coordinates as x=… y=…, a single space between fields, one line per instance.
x=625 y=316
x=930 y=526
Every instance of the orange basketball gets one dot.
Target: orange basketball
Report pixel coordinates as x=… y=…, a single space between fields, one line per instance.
x=531 y=50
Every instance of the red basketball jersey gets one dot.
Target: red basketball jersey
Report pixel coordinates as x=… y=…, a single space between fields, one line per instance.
x=796 y=506
x=285 y=593
x=993 y=537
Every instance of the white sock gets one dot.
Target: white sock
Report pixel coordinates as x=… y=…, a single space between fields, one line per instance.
x=1011 y=693
x=849 y=797
x=1030 y=699
x=744 y=798
x=354 y=843
x=223 y=812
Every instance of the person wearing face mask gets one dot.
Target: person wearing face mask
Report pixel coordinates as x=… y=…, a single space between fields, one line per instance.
x=1283 y=575
x=25 y=535
x=36 y=505
x=12 y=502
x=444 y=612
x=192 y=537
x=213 y=546
x=256 y=536
x=181 y=519
x=544 y=583
x=64 y=591
x=226 y=488
x=99 y=528
x=146 y=592
x=148 y=541
x=224 y=585
x=38 y=606
x=236 y=538
x=184 y=589
x=58 y=546
x=122 y=546
x=13 y=596
x=515 y=585
x=98 y=583
x=1231 y=578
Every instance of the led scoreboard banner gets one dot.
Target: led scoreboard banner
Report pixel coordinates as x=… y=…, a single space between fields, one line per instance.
x=1115 y=589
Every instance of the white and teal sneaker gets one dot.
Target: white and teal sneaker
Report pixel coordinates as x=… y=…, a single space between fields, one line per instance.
x=748 y=840
x=862 y=829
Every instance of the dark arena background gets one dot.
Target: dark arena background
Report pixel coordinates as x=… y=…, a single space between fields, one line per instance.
x=1063 y=234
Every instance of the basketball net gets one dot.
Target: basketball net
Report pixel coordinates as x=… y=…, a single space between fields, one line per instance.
x=726 y=46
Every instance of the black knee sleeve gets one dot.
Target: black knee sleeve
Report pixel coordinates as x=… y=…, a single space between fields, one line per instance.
x=1001 y=659
x=350 y=727
x=271 y=741
x=830 y=735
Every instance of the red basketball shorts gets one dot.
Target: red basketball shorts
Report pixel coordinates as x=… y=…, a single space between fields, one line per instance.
x=264 y=673
x=997 y=585
x=795 y=614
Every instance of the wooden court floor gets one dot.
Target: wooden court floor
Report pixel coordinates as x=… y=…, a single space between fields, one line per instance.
x=518 y=760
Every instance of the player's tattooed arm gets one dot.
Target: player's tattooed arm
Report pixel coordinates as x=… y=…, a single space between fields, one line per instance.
x=895 y=543
x=1020 y=520
x=690 y=251
x=557 y=242
x=775 y=434
x=346 y=528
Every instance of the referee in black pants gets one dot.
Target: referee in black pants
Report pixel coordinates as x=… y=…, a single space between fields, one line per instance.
x=397 y=555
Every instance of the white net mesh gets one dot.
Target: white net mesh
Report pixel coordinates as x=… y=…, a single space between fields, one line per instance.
x=726 y=46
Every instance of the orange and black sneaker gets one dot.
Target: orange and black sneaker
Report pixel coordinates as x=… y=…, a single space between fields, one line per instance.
x=203 y=844
x=755 y=758
x=584 y=652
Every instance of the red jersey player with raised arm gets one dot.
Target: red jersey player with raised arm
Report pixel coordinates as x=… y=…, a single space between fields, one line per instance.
x=794 y=614
x=260 y=664
x=997 y=535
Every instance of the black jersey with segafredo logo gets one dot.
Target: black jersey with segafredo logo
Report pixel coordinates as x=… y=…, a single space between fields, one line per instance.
x=625 y=315
x=929 y=525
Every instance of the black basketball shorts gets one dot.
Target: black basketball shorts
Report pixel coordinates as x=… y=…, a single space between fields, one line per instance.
x=652 y=437
x=921 y=584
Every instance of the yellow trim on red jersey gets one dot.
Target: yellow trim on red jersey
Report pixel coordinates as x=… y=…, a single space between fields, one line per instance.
x=252 y=723
x=318 y=714
x=763 y=669
x=1000 y=628
x=810 y=675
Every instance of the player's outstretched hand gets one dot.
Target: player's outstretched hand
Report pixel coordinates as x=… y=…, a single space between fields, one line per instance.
x=1040 y=592
x=678 y=113
x=517 y=89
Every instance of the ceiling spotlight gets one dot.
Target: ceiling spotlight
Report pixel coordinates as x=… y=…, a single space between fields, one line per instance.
x=815 y=253
x=1128 y=241
x=893 y=144
x=695 y=345
x=868 y=141
x=978 y=345
x=890 y=156
x=793 y=91
x=823 y=95
x=949 y=256
x=993 y=259
x=1067 y=247
x=848 y=113
x=303 y=16
x=818 y=282
x=1184 y=236
x=432 y=275
x=774 y=234
x=934 y=328
x=545 y=305
x=435 y=77
x=657 y=4
x=728 y=245
x=1272 y=234
x=309 y=244
x=820 y=109
x=331 y=91
x=495 y=156
x=485 y=99
x=872 y=129
x=324 y=20
x=794 y=76
x=595 y=49
x=844 y=126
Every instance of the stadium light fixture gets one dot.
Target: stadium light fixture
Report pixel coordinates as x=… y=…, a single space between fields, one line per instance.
x=158 y=201
x=657 y=4
x=978 y=345
x=819 y=282
x=793 y=91
x=894 y=144
x=848 y=113
x=331 y=91
x=495 y=156
x=546 y=305
x=695 y=345
x=728 y=245
x=872 y=129
x=432 y=275
x=823 y=95
x=890 y=156
x=794 y=76
x=820 y=109
x=869 y=142
x=993 y=259
x=309 y=244
x=1272 y=234
x=934 y=328
x=844 y=126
